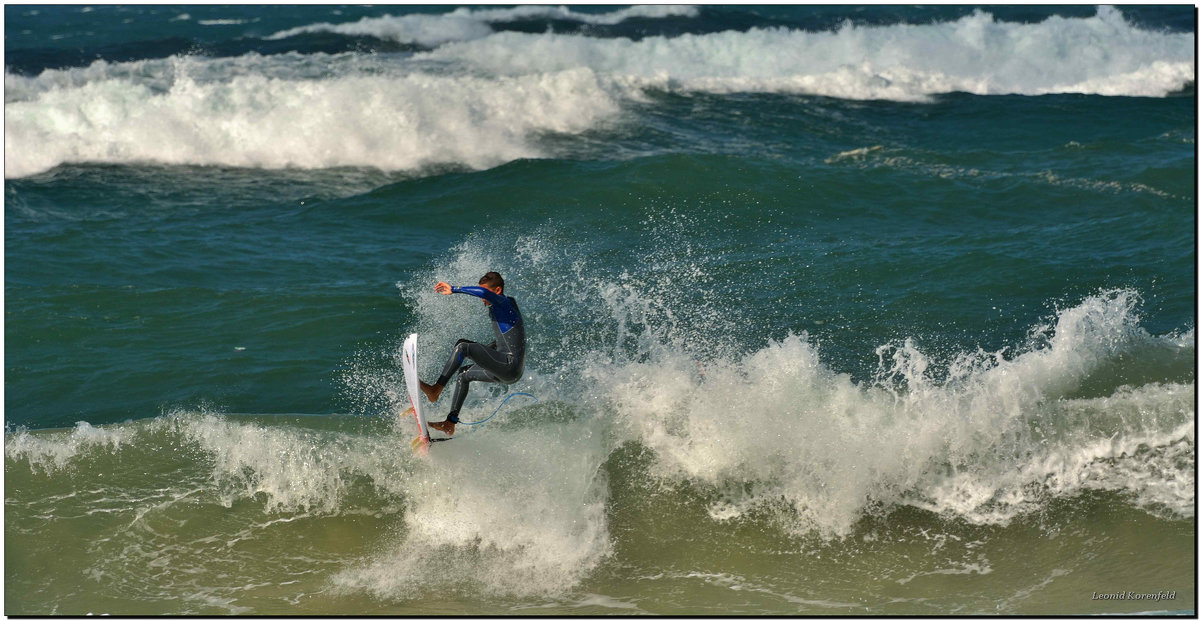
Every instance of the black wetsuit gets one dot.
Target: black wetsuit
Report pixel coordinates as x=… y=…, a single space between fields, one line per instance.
x=502 y=362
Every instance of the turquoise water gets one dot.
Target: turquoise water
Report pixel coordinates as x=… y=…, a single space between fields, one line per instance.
x=832 y=310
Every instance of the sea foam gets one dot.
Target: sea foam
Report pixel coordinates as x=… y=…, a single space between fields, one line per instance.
x=51 y=453
x=509 y=513
x=1089 y=400
x=465 y=24
x=404 y=122
x=478 y=99
x=976 y=54
x=993 y=438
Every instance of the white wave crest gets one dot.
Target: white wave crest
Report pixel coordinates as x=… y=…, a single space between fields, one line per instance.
x=1153 y=466
x=53 y=451
x=225 y=22
x=289 y=469
x=425 y=30
x=654 y=11
x=976 y=54
x=991 y=439
x=482 y=99
x=403 y=122
x=465 y=24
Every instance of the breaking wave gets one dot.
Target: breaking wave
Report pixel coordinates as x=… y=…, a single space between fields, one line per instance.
x=478 y=99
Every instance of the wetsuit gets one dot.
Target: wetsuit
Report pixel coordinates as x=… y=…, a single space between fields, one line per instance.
x=503 y=361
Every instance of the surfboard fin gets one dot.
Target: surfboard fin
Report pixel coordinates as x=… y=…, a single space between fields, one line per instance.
x=420 y=445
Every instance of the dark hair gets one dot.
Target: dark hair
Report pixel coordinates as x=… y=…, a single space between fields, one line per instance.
x=492 y=279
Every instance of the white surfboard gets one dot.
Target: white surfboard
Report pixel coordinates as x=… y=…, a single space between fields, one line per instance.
x=409 y=362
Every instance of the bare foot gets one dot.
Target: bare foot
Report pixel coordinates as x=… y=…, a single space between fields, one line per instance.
x=432 y=391
x=445 y=427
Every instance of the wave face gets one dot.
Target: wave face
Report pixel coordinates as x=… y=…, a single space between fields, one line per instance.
x=470 y=96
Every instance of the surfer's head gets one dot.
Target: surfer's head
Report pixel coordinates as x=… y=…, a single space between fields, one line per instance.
x=492 y=281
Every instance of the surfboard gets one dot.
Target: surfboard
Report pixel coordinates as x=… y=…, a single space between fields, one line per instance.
x=409 y=362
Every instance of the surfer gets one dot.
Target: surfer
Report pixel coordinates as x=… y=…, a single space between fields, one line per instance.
x=502 y=361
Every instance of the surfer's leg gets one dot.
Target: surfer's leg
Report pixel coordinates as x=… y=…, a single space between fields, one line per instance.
x=497 y=363
x=486 y=359
x=457 y=355
x=467 y=375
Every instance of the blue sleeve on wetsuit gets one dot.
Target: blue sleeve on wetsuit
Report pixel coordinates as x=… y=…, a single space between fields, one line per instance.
x=502 y=308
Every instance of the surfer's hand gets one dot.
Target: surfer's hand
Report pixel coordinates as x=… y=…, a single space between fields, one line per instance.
x=443 y=288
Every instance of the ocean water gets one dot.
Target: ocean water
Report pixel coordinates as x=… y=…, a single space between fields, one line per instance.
x=831 y=310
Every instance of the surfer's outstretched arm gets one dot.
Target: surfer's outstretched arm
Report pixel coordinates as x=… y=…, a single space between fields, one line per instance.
x=446 y=288
x=504 y=311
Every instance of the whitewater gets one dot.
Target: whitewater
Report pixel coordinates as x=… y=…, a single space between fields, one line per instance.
x=520 y=509
x=477 y=98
